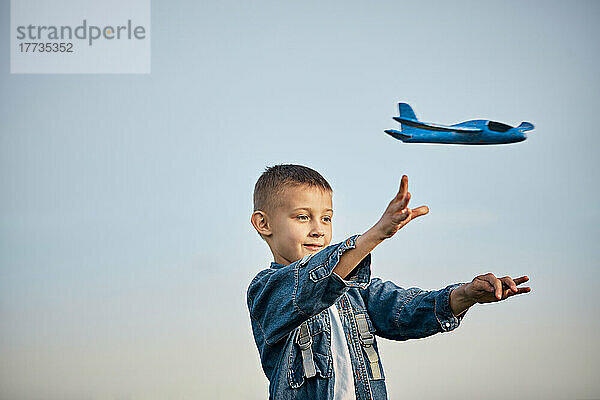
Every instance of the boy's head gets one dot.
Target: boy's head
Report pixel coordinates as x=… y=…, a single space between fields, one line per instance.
x=292 y=211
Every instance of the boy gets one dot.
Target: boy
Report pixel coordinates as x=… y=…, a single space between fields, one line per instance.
x=316 y=310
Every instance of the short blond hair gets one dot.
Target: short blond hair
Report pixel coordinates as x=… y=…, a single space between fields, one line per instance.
x=273 y=181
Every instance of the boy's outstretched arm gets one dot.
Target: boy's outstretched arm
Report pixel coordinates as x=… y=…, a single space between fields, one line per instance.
x=485 y=289
x=396 y=215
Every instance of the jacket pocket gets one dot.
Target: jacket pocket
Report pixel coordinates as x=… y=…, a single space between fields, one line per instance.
x=320 y=331
x=370 y=352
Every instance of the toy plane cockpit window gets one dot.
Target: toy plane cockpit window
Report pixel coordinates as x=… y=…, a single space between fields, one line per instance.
x=498 y=127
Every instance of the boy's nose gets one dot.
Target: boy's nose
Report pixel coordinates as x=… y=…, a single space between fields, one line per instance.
x=317 y=231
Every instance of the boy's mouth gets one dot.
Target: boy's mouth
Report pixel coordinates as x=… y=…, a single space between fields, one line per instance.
x=314 y=247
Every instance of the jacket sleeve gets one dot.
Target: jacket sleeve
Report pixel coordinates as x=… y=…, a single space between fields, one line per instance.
x=402 y=314
x=280 y=299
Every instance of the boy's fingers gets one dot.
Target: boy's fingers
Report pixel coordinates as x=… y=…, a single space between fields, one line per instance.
x=520 y=291
x=523 y=290
x=520 y=280
x=507 y=281
x=403 y=187
x=417 y=212
x=496 y=283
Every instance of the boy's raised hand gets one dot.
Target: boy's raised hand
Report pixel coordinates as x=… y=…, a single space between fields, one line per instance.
x=397 y=213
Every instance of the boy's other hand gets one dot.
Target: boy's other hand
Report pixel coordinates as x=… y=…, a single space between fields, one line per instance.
x=397 y=213
x=485 y=289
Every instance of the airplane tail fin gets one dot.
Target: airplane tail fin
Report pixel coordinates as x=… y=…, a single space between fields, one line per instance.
x=525 y=126
x=406 y=111
x=406 y=118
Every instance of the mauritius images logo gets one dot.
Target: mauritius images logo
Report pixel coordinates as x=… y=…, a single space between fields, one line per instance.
x=85 y=32
x=80 y=36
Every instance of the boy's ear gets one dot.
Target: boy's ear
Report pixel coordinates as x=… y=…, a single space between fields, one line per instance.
x=261 y=223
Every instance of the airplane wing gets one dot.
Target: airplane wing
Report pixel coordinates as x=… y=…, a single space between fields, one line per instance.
x=435 y=127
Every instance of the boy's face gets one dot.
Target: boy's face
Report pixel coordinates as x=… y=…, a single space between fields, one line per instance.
x=300 y=224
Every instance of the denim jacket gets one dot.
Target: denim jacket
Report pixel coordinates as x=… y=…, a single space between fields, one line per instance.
x=282 y=297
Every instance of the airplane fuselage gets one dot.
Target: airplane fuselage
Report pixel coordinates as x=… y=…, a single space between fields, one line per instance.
x=476 y=131
x=444 y=134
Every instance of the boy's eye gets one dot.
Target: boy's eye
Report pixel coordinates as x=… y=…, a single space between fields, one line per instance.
x=302 y=217
x=327 y=219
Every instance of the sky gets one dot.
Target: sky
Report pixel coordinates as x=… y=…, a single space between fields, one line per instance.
x=125 y=242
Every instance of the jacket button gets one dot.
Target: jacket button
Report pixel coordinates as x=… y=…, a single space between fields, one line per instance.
x=447 y=324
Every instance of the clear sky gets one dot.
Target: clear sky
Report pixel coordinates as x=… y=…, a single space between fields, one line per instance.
x=125 y=242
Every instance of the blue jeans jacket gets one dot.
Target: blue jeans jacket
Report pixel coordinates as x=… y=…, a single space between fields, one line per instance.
x=282 y=297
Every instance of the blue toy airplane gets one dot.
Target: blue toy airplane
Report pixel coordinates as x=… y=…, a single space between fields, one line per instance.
x=477 y=131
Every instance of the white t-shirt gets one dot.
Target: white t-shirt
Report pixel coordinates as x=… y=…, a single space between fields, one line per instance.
x=342 y=365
